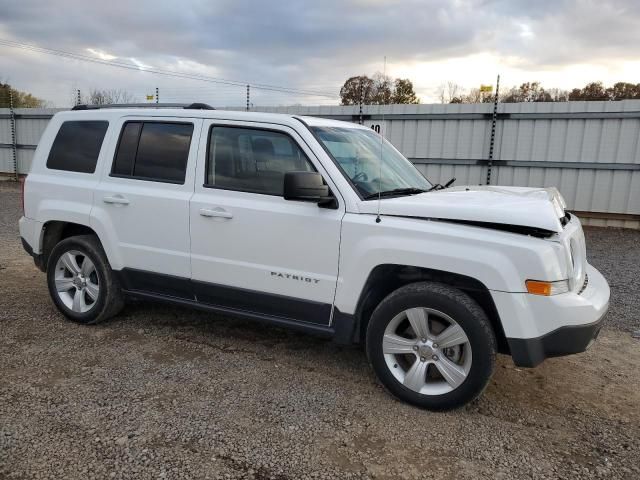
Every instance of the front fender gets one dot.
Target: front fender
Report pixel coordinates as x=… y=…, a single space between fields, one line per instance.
x=501 y=261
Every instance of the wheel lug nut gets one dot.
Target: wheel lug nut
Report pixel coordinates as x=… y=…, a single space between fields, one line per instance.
x=415 y=347
x=435 y=357
x=424 y=340
x=422 y=359
x=435 y=345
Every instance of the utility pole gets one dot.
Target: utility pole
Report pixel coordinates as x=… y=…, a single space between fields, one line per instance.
x=248 y=96
x=78 y=97
x=493 y=132
x=157 y=95
x=14 y=146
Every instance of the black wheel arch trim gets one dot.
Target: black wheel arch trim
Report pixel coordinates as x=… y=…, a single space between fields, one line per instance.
x=54 y=231
x=385 y=278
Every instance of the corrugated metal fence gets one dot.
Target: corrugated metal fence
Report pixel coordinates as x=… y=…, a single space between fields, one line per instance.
x=589 y=150
x=29 y=125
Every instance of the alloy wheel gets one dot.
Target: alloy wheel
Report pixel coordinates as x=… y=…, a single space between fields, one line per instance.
x=76 y=280
x=427 y=351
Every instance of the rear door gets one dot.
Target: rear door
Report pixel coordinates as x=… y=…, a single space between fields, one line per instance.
x=142 y=202
x=251 y=249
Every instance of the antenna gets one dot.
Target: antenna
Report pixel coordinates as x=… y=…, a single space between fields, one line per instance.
x=384 y=99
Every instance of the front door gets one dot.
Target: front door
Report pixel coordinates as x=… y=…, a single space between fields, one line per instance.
x=252 y=250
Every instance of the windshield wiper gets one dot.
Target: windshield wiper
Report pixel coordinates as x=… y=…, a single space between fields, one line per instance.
x=437 y=186
x=394 y=192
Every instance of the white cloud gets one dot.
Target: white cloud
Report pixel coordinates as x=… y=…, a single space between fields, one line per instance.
x=141 y=65
x=100 y=54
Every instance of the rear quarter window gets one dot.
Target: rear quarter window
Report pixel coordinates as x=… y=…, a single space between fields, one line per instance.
x=77 y=146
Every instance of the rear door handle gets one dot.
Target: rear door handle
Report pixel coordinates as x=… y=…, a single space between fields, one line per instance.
x=215 y=212
x=117 y=199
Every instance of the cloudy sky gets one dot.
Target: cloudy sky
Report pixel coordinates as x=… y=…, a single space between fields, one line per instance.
x=314 y=45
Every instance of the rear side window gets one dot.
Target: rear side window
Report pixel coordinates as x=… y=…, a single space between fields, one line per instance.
x=156 y=151
x=77 y=146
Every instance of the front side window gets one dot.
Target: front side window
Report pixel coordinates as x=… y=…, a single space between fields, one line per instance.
x=156 y=151
x=252 y=160
x=370 y=162
x=77 y=146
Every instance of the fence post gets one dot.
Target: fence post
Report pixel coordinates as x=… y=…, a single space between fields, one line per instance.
x=14 y=146
x=493 y=132
x=361 y=101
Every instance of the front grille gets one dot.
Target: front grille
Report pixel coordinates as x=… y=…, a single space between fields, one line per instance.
x=584 y=284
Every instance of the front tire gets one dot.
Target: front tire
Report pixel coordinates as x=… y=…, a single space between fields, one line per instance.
x=431 y=345
x=81 y=282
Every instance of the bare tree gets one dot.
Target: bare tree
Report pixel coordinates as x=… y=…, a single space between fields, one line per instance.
x=449 y=91
x=108 y=96
x=558 y=95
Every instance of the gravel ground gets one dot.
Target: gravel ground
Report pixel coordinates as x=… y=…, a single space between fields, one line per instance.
x=164 y=392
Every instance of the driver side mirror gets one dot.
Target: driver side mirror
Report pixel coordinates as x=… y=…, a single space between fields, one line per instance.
x=308 y=187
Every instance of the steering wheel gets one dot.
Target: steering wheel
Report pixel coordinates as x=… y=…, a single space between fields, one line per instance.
x=360 y=176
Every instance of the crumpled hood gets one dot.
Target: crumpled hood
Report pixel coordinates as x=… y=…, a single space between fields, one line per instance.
x=539 y=208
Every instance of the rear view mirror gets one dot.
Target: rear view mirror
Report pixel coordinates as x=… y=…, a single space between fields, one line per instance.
x=306 y=187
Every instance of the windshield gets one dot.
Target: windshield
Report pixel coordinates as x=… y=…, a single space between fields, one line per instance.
x=357 y=152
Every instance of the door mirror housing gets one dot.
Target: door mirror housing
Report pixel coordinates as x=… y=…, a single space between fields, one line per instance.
x=307 y=187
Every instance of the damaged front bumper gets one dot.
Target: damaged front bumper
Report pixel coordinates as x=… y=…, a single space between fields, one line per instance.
x=540 y=327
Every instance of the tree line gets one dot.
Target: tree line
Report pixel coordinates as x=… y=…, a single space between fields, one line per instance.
x=535 y=92
x=9 y=95
x=20 y=99
x=381 y=89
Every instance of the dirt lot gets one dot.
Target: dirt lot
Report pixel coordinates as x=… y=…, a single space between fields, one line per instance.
x=164 y=392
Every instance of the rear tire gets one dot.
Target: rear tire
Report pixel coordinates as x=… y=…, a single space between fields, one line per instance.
x=81 y=282
x=403 y=349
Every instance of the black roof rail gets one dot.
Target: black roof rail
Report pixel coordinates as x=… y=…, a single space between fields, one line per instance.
x=186 y=106
x=199 y=106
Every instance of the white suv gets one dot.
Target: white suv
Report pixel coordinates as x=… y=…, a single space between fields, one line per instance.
x=312 y=224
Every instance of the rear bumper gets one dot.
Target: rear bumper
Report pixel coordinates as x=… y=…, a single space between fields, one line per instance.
x=26 y=246
x=37 y=258
x=29 y=235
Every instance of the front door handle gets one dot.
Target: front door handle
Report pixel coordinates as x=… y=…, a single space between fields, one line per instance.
x=215 y=212
x=117 y=199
